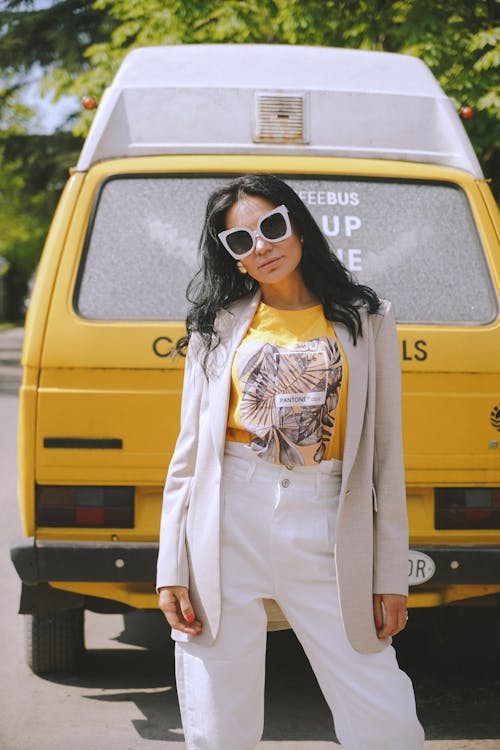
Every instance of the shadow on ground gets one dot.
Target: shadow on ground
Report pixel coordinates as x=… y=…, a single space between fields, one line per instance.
x=452 y=655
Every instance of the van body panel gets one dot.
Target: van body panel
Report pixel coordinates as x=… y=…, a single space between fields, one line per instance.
x=447 y=427
x=420 y=500
x=148 y=501
x=493 y=212
x=35 y=327
x=116 y=377
x=26 y=439
x=139 y=407
x=47 y=272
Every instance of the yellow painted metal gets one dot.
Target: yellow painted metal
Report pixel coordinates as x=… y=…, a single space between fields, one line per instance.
x=26 y=449
x=143 y=595
x=102 y=379
x=420 y=502
x=47 y=271
x=139 y=595
x=490 y=205
x=140 y=407
x=34 y=333
x=148 y=501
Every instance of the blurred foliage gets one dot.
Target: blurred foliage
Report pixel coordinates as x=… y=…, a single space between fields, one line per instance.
x=458 y=39
x=79 y=45
x=51 y=35
x=36 y=41
x=34 y=170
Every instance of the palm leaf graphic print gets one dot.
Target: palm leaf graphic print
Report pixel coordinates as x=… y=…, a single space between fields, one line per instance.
x=289 y=398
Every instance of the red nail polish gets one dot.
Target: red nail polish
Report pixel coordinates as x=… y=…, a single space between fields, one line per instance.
x=190 y=618
x=378 y=623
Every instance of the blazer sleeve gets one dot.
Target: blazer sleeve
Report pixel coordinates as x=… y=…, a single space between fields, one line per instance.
x=390 y=518
x=172 y=566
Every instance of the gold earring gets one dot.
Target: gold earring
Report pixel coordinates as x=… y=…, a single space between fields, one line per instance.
x=241 y=268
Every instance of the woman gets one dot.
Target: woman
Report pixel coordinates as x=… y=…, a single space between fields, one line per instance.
x=286 y=482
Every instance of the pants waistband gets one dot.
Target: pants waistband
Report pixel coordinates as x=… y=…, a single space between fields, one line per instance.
x=243 y=451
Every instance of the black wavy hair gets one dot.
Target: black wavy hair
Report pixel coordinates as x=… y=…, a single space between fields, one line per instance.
x=218 y=282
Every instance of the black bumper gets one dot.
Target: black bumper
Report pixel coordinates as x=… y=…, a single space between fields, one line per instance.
x=100 y=562
x=135 y=562
x=462 y=564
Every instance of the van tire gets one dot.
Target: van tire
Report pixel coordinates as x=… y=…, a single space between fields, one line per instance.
x=54 y=641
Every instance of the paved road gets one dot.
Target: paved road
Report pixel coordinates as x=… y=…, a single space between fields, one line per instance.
x=124 y=698
x=10 y=354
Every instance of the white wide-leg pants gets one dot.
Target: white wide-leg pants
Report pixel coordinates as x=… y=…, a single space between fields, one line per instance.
x=277 y=539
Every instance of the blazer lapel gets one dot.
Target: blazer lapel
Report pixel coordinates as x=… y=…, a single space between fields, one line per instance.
x=357 y=362
x=232 y=326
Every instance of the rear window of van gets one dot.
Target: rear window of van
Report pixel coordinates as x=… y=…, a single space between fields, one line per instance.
x=415 y=243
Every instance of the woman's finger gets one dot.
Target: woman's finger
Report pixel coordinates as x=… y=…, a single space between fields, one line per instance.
x=377 y=611
x=394 y=614
x=168 y=605
x=403 y=619
x=171 y=602
x=185 y=605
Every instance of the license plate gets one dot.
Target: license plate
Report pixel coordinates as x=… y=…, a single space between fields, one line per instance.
x=421 y=567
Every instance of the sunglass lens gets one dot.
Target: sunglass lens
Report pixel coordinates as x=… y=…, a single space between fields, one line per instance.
x=274 y=226
x=240 y=241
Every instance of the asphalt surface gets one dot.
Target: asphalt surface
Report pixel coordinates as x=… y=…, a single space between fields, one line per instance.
x=123 y=697
x=11 y=342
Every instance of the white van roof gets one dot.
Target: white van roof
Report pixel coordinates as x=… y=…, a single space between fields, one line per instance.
x=277 y=99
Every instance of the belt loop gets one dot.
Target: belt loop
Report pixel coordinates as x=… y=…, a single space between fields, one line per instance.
x=320 y=478
x=322 y=487
x=252 y=465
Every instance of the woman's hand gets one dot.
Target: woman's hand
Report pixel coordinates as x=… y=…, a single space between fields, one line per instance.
x=390 y=618
x=175 y=604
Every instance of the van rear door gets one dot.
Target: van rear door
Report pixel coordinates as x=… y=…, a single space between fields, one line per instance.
x=110 y=386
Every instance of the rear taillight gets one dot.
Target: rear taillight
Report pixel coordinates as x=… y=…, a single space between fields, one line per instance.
x=468 y=508
x=84 y=506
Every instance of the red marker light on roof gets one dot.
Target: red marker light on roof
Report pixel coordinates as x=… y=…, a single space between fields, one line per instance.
x=466 y=112
x=89 y=102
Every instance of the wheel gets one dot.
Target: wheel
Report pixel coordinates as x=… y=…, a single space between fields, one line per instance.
x=54 y=640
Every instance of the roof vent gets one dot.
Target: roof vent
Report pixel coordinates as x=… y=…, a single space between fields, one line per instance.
x=280 y=118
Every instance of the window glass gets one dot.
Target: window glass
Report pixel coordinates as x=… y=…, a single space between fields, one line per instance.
x=415 y=243
x=142 y=249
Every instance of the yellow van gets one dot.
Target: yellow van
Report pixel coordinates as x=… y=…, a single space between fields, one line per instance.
x=378 y=153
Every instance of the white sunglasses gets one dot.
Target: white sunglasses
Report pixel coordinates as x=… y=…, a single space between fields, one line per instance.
x=273 y=227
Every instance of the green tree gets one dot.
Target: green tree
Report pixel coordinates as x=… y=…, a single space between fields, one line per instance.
x=79 y=45
x=34 y=169
x=34 y=42
x=50 y=36
x=37 y=41
x=458 y=39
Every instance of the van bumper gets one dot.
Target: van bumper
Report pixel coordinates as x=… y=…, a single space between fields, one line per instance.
x=135 y=562
x=102 y=562
x=479 y=564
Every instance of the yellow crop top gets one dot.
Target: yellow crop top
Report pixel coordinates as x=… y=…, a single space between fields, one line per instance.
x=288 y=395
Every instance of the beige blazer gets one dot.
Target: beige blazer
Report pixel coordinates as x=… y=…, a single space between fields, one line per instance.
x=371 y=550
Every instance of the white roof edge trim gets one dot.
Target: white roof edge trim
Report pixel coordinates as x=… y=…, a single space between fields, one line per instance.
x=153 y=105
x=150 y=149
x=448 y=160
